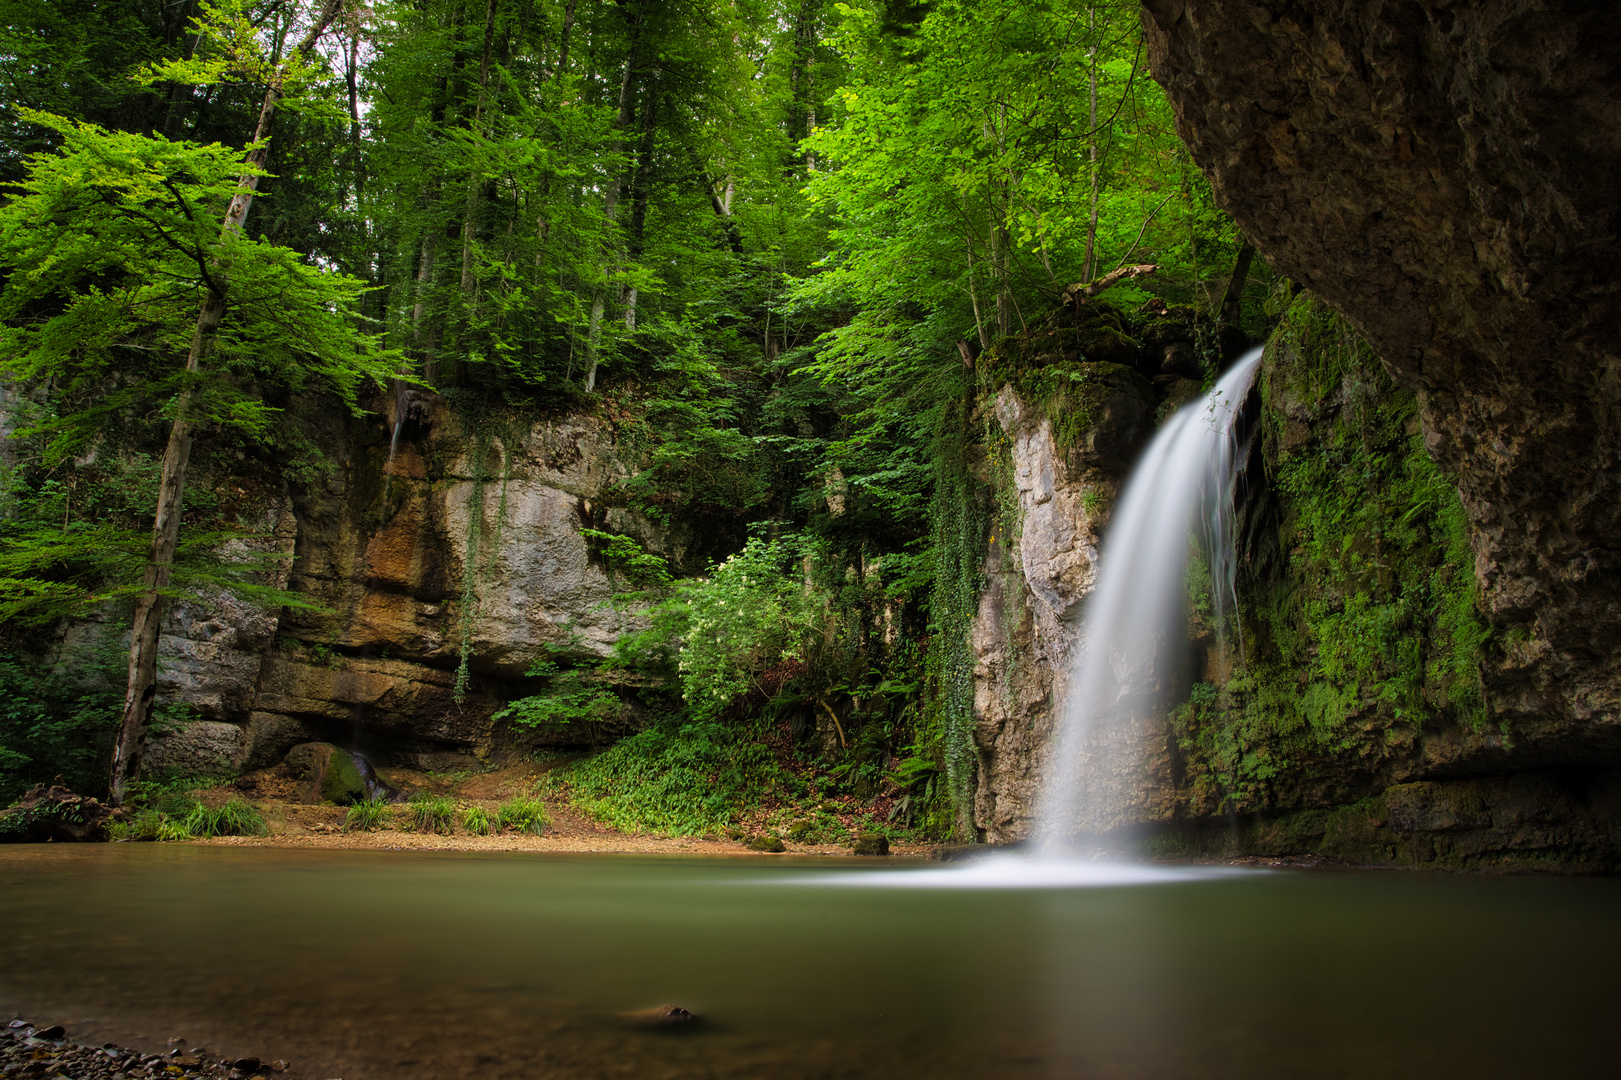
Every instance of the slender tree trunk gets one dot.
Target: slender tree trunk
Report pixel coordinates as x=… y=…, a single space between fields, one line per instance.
x=642 y=190
x=177 y=91
x=610 y=207
x=722 y=208
x=143 y=644
x=802 y=107
x=562 y=53
x=422 y=328
x=474 y=184
x=1088 y=262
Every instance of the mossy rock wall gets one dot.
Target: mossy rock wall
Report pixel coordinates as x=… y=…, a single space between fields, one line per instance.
x=1347 y=711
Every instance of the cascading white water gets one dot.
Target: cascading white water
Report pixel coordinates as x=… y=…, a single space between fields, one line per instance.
x=401 y=404
x=1132 y=621
x=1186 y=480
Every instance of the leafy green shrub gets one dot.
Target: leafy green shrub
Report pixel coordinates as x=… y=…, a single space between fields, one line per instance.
x=432 y=813
x=166 y=812
x=367 y=815
x=475 y=821
x=751 y=613
x=170 y=797
x=629 y=559
x=572 y=697
x=820 y=828
x=53 y=724
x=144 y=825
x=170 y=830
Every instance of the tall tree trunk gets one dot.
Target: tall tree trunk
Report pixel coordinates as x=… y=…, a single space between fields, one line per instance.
x=642 y=190
x=1088 y=262
x=143 y=643
x=475 y=184
x=422 y=327
x=562 y=53
x=610 y=207
x=722 y=208
x=802 y=106
x=178 y=91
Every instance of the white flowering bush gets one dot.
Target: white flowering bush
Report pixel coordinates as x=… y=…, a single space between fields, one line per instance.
x=751 y=613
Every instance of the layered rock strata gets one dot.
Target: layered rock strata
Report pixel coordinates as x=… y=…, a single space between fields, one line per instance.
x=435 y=537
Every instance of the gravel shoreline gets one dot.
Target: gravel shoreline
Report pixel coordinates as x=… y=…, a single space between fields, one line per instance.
x=27 y=1051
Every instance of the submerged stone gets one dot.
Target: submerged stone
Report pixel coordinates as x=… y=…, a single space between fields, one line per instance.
x=661 y=1016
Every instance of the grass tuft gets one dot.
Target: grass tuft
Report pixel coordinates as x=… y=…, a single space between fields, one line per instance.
x=432 y=813
x=236 y=818
x=523 y=814
x=475 y=821
x=185 y=819
x=367 y=815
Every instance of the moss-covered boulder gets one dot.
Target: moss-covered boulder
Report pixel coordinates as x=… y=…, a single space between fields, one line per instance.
x=325 y=774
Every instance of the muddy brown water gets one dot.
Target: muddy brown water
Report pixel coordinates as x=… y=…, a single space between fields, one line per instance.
x=367 y=964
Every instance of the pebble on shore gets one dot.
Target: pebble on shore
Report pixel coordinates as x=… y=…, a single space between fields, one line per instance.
x=28 y=1052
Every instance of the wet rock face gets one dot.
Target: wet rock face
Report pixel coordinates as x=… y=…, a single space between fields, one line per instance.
x=1057 y=468
x=1029 y=610
x=1446 y=175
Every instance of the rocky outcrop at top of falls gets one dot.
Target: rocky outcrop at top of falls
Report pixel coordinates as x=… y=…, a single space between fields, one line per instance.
x=1445 y=175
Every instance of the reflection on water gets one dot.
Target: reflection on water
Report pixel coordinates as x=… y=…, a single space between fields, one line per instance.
x=379 y=964
x=1018 y=872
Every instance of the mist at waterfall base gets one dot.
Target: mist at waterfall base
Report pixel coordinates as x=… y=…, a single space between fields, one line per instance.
x=1126 y=651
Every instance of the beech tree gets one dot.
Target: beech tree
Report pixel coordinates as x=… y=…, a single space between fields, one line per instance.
x=126 y=287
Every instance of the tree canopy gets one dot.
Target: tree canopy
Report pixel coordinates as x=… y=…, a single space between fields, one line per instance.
x=765 y=235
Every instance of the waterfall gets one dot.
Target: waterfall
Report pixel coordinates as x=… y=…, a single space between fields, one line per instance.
x=1132 y=626
x=402 y=402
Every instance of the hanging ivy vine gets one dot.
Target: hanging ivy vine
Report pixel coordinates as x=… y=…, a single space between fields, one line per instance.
x=960 y=523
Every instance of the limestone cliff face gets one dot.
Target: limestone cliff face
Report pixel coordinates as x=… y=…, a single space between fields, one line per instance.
x=1041 y=564
x=443 y=539
x=1445 y=174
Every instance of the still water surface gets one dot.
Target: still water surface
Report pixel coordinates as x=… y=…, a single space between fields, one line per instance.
x=368 y=965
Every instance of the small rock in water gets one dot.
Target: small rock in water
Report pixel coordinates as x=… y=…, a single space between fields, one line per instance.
x=280 y=1066
x=17 y=1024
x=247 y=1064
x=660 y=1016
x=872 y=844
x=767 y=842
x=54 y=1033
